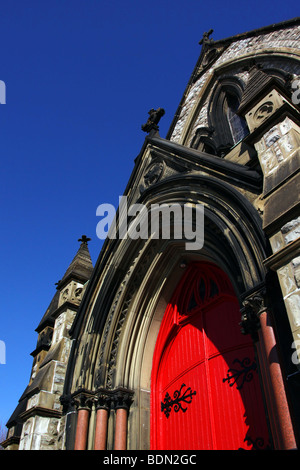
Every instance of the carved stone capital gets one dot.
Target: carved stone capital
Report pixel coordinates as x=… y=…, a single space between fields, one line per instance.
x=256 y=302
x=66 y=403
x=122 y=398
x=253 y=306
x=103 y=399
x=83 y=400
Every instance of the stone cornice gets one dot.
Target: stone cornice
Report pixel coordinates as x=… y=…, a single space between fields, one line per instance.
x=66 y=305
x=211 y=163
x=283 y=256
x=40 y=411
x=10 y=441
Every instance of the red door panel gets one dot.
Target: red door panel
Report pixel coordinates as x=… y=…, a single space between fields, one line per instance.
x=205 y=390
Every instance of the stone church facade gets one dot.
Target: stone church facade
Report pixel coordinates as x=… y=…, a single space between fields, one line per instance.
x=156 y=338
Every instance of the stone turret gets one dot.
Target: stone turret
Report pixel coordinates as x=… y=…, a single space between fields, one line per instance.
x=36 y=422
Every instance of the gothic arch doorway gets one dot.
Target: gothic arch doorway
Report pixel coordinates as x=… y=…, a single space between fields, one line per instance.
x=205 y=389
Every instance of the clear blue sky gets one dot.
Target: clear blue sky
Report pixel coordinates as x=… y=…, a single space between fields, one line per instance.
x=81 y=76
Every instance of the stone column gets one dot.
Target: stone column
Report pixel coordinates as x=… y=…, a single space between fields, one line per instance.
x=103 y=406
x=287 y=437
x=83 y=403
x=256 y=316
x=121 y=429
x=122 y=402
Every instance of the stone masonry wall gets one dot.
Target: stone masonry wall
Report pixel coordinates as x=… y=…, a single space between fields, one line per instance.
x=278 y=151
x=286 y=39
x=289 y=279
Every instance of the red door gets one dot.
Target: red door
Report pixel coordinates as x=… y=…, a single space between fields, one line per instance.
x=205 y=390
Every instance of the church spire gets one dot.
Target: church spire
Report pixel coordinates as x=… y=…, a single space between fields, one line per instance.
x=80 y=270
x=81 y=267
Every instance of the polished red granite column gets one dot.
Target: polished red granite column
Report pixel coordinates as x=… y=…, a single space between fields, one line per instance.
x=101 y=429
x=122 y=400
x=83 y=402
x=121 y=429
x=83 y=416
x=286 y=431
x=257 y=321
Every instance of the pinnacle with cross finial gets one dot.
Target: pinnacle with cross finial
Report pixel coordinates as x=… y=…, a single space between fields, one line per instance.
x=84 y=239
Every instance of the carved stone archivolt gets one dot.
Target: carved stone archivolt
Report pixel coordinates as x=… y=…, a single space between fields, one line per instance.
x=122 y=310
x=108 y=324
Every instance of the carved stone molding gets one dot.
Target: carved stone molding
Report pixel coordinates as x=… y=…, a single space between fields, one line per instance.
x=264 y=109
x=153 y=173
x=161 y=167
x=263 y=112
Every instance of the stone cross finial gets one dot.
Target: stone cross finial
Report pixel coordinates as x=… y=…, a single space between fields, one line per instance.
x=84 y=239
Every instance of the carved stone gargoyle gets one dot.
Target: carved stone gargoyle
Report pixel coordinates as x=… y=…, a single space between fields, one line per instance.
x=154 y=117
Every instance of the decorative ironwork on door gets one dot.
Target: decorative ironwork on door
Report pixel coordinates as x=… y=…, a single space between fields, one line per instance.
x=176 y=402
x=244 y=374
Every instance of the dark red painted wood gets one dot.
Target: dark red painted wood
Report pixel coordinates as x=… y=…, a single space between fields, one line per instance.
x=198 y=342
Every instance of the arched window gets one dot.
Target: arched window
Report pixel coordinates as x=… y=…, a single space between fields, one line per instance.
x=203 y=141
x=229 y=127
x=237 y=124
